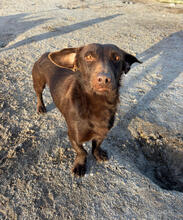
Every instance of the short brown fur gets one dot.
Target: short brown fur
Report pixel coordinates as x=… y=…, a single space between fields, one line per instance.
x=84 y=84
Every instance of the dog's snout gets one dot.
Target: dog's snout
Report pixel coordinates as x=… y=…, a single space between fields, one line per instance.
x=104 y=78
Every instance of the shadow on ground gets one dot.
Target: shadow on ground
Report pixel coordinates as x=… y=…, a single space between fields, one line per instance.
x=14 y=25
x=162 y=148
x=56 y=31
x=35 y=159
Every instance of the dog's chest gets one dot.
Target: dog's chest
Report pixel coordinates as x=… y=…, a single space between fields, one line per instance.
x=101 y=120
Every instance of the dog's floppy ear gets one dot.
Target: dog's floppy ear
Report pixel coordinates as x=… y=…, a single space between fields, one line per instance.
x=128 y=61
x=65 y=58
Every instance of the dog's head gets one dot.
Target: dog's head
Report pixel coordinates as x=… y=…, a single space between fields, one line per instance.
x=98 y=66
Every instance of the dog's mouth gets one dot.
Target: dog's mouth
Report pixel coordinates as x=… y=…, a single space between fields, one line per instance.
x=102 y=89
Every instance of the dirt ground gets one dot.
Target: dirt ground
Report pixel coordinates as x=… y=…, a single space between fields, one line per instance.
x=144 y=176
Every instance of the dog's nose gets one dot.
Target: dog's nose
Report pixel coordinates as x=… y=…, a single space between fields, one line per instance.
x=104 y=78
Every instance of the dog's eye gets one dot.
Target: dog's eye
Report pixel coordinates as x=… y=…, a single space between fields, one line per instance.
x=89 y=58
x=115 y=58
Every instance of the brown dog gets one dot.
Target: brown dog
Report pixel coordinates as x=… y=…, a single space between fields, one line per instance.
x=84 y=84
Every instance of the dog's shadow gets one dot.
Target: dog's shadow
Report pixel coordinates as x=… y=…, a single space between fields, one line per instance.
x=164 y=61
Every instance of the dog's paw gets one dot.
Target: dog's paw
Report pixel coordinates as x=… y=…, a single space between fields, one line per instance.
x=79 y=169
x=100 y=155
x=41 y=109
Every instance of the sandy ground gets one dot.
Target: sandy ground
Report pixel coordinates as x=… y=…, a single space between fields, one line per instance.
x=144 y=176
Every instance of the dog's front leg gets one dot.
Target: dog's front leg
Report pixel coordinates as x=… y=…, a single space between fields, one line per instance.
x=99 y=154
x=79 y=166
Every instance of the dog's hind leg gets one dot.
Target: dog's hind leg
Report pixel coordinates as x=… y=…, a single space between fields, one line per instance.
x=39 y=83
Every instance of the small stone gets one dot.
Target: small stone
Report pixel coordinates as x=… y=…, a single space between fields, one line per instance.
x=172 y=4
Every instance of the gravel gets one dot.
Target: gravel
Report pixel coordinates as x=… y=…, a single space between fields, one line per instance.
x=144 y=177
